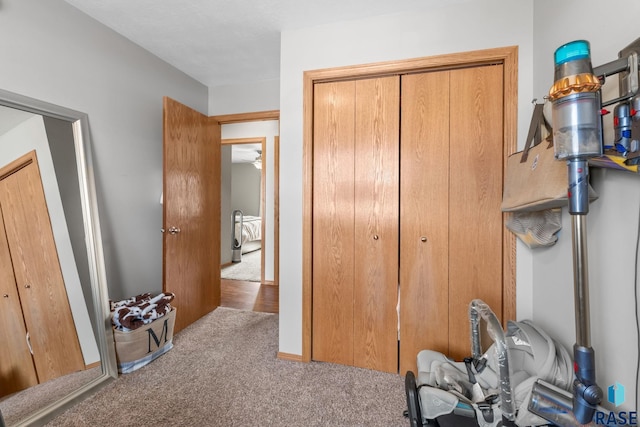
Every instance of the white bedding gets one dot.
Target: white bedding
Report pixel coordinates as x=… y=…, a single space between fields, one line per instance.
x=251 y=233
x=251 y=228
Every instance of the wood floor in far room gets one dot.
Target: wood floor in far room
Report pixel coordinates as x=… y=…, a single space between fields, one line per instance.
x=251 y=296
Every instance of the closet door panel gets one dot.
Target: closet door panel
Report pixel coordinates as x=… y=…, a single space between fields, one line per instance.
x=333 y=222
x=476 y=232
x=16 y=365
x=47 y=315
x=424 y=216
x=376 y=223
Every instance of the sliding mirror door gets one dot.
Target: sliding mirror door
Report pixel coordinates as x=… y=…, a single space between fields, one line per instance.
x=54 y=314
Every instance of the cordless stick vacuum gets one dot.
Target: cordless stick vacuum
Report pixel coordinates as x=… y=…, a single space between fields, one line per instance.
x=577 y=136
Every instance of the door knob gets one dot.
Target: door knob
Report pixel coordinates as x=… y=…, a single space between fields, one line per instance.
x=174 y=230
x=5 y=295
x=423 y=239
x=375 y=237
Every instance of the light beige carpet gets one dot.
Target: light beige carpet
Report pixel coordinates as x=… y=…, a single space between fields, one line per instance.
x=248 y=269
x=20 y=405
x=223 y=371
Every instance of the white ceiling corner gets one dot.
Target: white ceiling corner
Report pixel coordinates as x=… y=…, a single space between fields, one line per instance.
x=227 y=42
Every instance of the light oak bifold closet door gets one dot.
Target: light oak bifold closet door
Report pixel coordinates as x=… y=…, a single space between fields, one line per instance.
x=475 y=192
x=37 y=280
x=424 y=216
x=17 y=371
x=451 y=222
x=355 y=230
x=406 y=194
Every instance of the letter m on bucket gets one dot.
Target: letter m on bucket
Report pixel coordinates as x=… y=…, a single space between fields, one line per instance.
x=154 y=337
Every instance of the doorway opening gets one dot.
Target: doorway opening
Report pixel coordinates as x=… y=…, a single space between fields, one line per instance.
x=243 y=192
x=249 y=211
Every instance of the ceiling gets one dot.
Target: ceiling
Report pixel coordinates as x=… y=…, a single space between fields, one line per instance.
x=227 y=42
x=245 y=153
x=11 y=117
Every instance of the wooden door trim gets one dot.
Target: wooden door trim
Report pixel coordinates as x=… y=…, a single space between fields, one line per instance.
x=255 y=117
x=263 y=188
x=17 y=164
x=508 y=56
x=253 y=140
x=276 y=210
x=247 y=117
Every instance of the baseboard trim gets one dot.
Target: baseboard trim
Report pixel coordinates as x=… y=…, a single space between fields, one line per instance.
x=290 y=357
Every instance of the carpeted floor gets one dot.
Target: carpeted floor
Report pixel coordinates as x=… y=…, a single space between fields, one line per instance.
x=223 y=371
x=248 y=269
x=20 y=405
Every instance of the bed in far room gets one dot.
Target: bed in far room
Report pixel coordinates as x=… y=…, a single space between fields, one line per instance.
x=251 y=233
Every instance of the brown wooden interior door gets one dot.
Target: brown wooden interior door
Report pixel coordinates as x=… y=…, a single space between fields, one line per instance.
x=476 y=223
x=43 y=296
x=376 y=199
x=17 y=371
x=191 y=211
x=333 y=227
x=424 y=216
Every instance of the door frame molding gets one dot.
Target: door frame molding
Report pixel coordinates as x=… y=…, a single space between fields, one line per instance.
x=507 y=56
x=257 y=116
x=19 y=163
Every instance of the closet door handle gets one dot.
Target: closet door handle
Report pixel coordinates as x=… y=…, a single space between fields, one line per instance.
x=376 y=237
x=174 y=230
x=27 y=286
x=5 y=295
x=423 y=239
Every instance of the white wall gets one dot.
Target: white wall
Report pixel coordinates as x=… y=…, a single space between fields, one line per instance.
x=225 y=205
x=245 y=188
x=468 y=26
x=53 y=52
x=246 y=98
x=613 y=219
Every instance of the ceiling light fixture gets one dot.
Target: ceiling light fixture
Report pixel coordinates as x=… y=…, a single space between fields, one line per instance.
x=258 y=161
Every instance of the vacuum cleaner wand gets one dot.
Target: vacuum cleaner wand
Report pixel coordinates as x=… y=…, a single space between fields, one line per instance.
x=577 y=135
x=586 y=393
